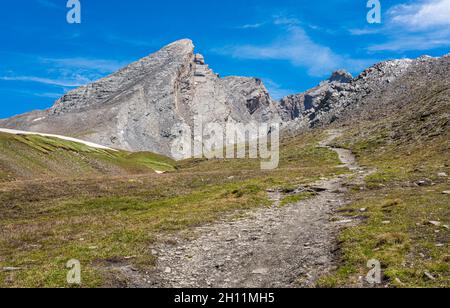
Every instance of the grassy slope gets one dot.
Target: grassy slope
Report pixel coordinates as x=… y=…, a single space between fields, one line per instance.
x=43 y=224
x=32 y=157
x=411 y=146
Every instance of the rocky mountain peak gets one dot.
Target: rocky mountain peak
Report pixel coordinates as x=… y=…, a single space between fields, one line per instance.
x=182 y=42
x=339 y=96
x=341 y=76
x=104 y=91
x=138 y=107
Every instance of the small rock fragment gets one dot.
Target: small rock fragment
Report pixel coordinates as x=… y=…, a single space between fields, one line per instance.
x=435 y=223
x=11 y=269
x=429 y=276
x=397 y=280
x=260 y=271
x=425 y=182
x=344 y=221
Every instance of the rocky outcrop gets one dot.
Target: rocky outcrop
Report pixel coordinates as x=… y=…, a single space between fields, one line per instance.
x=341 y=76
x=377 y=91
x=318 y=99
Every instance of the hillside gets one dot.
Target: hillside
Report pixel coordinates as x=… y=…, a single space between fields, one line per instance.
x=31 y=157
x=405 y=138
x=110 y=223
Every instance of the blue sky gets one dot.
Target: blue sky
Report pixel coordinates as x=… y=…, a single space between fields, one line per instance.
x=291 y=44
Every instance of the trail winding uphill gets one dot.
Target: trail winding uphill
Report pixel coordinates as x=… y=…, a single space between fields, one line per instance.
x=289 y=246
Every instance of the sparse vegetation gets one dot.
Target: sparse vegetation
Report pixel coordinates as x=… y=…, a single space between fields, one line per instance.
x=32 y=157
x=291 y=199
x=108 y=221
x=400 y=198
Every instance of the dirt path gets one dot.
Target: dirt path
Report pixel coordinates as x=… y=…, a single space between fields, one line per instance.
x=288 y=246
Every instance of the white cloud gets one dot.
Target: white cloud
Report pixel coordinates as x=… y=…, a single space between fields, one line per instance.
x=420 y=16
x=299 y=49
x=424 y=25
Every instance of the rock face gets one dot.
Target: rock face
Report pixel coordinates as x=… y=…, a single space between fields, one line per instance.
x=137 y=108
x=377 y=92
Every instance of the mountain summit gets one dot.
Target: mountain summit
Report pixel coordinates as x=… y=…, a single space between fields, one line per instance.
x=137 y=107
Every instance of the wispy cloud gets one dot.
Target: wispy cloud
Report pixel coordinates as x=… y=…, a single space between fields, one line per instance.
x=299 y=49
x=80 y=63
x=67 y=72
x=49 y=4
x=276 y=90
x=76 y=82
x=408 y=42
x=52 y=95
x=422 y=25
x=364 y=31
x=277 y=20
x=251 y=26
x=296 y=46
x=283 y=20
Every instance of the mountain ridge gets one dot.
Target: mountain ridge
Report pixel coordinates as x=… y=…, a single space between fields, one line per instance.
x=137 y=107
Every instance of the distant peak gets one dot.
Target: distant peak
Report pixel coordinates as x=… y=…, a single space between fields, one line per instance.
x=183 y=42
x=341 y=76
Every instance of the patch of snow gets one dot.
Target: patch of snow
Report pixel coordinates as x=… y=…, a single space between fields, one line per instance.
x=38 y=119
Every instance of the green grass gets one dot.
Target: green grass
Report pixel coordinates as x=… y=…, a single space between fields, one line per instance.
x=406 y=246
x=32 y=156
x=395 y=229
x=292 y=199
x=102 y=221
x=96 y=231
